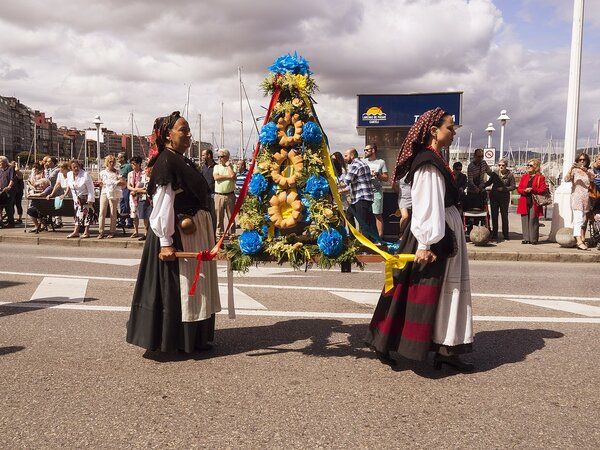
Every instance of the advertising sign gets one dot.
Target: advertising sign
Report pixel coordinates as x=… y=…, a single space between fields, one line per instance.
x=489 y=156
x=403 y=110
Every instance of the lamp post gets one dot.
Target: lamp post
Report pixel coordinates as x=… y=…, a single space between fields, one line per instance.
x=503 y=119
x=490 y=129
x=97 y=121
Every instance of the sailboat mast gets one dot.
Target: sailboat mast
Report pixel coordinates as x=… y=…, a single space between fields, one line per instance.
x=132 y=134
x=222 y=144
x=199 y=136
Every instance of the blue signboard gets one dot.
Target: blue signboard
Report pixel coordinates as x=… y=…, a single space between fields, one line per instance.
x=403 y=110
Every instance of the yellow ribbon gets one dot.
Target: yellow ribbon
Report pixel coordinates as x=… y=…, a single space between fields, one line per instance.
x=391 y=261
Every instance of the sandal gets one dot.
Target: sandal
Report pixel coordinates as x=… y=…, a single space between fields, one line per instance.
x=73 y=235
x=85 y=236
x=101 y=236
x=582 y=246
x=134 y=235
x=109 y=236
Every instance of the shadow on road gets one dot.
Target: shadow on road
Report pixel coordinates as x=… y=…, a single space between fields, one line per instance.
x=7 y=284
x=333 y=338
x=12 y=349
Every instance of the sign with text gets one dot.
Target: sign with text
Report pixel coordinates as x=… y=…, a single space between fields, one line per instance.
x=489 y=156
x=403 y=110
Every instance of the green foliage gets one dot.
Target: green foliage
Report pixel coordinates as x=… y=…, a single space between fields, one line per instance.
x=252 y=213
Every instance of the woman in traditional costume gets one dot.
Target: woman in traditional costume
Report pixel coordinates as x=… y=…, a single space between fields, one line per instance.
x=429 y=307
x=164 y=316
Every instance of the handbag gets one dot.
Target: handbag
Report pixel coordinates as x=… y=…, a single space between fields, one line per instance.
x=543 y=199
x=58 y=202
x=594 y=191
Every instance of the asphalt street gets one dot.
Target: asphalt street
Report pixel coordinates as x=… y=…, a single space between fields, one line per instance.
x=291 y=371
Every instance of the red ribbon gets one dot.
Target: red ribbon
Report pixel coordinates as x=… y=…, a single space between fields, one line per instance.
x=210 y=255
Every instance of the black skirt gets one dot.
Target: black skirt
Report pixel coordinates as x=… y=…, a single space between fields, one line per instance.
x=155 y=319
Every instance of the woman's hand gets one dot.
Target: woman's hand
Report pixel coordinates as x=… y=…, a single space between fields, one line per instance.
x=528 y=189
x=425 y=257
x=167 y=254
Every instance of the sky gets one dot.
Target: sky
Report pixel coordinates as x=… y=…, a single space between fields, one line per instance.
x=113 y=57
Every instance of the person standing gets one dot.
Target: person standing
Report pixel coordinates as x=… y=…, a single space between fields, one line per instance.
x=7 y=191
x=81 y=186
x=461 y=183
x=429 y=306
x=124 y=169
x=19 y=189
x=533 y=182
x=476 y=181
x=581 y=177
x=240 y=176
x=164 y=316
x=500 y=198
x=110 y=195
x=358 y=179
x=379 y=174
x=133 y=180
x=208 y=165
x=224 y=192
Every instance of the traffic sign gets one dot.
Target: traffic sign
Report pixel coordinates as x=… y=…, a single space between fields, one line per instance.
x=489 y=155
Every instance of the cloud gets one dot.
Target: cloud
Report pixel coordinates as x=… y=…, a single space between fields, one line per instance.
x=141 y=56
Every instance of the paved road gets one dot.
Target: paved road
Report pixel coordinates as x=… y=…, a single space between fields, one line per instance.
x=291 y=371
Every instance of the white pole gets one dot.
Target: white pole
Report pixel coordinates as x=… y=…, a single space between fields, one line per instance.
x=199 y=136
x=241 y=154
x=502 y=140
x=561 y=212
x=72 y=148
x=34 y=142
x=131 y=135
x=222 y=128
x=98 y=148
x=489 y=139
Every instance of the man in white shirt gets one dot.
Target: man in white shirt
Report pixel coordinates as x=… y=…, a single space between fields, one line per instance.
x=379 y=176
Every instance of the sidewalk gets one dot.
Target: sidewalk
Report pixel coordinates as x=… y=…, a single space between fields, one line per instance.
x=511 y=250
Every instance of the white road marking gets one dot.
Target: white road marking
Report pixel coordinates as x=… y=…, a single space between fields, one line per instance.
x=363 y=298
x=53 y=289
x=111 y=261
x=242 y=300
x=265 y=272
x=298 y=314
x=571 y=307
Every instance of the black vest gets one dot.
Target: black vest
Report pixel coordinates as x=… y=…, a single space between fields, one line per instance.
x=425 y=157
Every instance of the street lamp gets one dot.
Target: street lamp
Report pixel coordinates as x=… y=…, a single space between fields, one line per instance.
x=490 y=129
x=503 y=119
x=97 y=121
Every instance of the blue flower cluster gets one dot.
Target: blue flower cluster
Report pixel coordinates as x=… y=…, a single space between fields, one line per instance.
x=257 y=185
x=330 y=242
x=306 y=217
x=288 y=63
x=250 y=242
x=268 y=134
x=312 y=133
x=316 y=187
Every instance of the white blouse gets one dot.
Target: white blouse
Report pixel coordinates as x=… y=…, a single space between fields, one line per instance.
x=110 y=185
x=428 y=223
x=81 y=185
x=162 y=219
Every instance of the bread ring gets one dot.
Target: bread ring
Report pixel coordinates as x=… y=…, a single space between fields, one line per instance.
x=285 y=210
x=289 y=130
x=286 y=168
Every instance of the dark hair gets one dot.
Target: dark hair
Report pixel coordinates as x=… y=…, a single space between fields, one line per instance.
x=339 y=164
x=209 y=152
x=457 y=165
x=160 y=130
x=136 y=159
x=374 y=147
x=585 y=156
x=54 y=160
x=478 y=150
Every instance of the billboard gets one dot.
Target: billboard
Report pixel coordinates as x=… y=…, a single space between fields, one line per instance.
x=386 y=110
x=92 y=135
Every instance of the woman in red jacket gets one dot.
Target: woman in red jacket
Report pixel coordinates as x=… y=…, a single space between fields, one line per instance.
x=533 y=182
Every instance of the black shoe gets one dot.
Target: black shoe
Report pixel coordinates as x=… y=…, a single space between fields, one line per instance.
x=494 y=236
x=506 y=238
x=452 y=361
x=385 y=358
x=533 y=243
x=525 y=242
x=9 y=225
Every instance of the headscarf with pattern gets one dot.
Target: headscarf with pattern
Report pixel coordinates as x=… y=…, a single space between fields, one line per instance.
x=160 y=131
x=416 y=140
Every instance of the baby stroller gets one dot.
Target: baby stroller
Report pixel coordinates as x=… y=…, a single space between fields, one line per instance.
x=593 y=219
x=475 y=211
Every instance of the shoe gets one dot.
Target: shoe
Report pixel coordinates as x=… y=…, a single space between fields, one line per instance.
x=9 y=225
x=134 y=235
x=109 y=236
x=506 y=238
x=100 y=236
x=452 y=361
x=494 y=236
x=85 y=236
x=73 y=235
x=385 y=358
x=525 y=242
x=533 y=243
x=582 y=246
x=18 y=221
x=142 y=238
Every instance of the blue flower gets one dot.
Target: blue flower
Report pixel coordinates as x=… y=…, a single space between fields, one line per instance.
x=268 y=134
x=312 y=133
x=306 y=217
x=257 y=185
x=316 y=187
x=330 y=242
x=288 y=63
x=250 y=242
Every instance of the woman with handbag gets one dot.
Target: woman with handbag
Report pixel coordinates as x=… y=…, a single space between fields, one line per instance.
x=110 y=195
x=532 y=183
x=500 y=198
x=82 y=187
x=581 y=177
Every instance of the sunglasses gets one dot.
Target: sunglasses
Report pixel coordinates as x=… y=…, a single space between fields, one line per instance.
x=581 y=160
x=501 y=165
x=530 y=165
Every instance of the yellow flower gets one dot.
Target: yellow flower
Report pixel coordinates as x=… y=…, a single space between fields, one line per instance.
x=300 y=81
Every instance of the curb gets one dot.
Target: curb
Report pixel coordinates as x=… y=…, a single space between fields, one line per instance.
x=474 y=255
